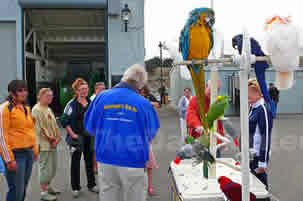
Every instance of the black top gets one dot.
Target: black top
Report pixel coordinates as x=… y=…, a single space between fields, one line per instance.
x=80 y=112
x=73 y=116
x=151 y=98
x=274 y=94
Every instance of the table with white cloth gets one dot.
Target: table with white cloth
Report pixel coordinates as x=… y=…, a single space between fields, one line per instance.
x=186 y=182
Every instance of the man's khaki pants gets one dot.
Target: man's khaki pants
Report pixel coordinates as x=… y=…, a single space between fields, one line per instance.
x=121 y=183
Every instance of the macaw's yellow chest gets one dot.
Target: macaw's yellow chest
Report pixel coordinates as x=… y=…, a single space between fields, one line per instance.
x=199 y=42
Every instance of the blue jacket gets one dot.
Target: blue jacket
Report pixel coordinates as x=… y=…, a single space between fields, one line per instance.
x=124 y=124
x=260 y=127
x=1 y=165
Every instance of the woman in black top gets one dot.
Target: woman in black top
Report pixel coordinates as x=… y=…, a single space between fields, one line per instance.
x=146 y=93
x=151 y=163
x=78 y=139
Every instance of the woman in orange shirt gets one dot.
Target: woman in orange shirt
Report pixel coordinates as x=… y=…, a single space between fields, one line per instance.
x=18 y=145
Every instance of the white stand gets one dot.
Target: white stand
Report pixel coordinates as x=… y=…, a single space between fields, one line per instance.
x=244 y=70
x=245 y=60
x=213 y=139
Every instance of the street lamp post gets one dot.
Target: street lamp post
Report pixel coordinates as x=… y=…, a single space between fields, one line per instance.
x=162 y=89
x=161 y=61
x=125 y=15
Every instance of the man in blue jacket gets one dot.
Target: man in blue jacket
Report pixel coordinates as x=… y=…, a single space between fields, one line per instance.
x=124 y=124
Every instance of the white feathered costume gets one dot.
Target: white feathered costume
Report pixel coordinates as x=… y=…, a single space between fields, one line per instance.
x=283 y=45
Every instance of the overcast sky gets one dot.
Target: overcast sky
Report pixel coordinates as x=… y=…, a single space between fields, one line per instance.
x=165 y=18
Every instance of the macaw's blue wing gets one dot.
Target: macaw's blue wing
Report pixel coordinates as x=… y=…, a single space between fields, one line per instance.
x=259 y=66
x=184 y=38
x=184 y=42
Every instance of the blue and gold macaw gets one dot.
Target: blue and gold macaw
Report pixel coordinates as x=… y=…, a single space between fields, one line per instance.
x=196 y=42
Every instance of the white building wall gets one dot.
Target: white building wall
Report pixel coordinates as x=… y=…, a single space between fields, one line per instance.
x=126 y=48
x=7 y=56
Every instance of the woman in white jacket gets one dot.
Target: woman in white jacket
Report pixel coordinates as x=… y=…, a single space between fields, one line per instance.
x=183 y=104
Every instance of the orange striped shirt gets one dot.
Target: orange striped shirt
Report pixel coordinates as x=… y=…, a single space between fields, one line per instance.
x=16 y=131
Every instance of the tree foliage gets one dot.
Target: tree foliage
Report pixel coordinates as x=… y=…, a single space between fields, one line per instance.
x=156 y=62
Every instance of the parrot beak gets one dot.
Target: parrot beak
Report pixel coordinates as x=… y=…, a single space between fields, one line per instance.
x=210 y=19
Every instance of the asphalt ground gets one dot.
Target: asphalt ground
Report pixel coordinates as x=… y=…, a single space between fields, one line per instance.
x=285 y=171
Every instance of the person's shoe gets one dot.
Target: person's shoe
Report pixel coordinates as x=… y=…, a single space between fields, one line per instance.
x=76 y=193
x=47 y=197
x=151 y=191
x=94 y=189
x=53 y=191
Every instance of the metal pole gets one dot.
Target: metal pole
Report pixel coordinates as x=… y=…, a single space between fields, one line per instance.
x=217 y=61
x=19 y=43
x=24 y=48
x=161 y=63
x=161 y=67
x=213 y=95
x=244 y=70
x=208 y=61
x=35 y=44
x=213 y=140
x=125 y=26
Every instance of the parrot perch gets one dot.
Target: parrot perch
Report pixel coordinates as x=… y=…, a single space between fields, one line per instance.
x=228 y=127
x=197 y=151
x=232 y=190
x=201 y=145
x=195 y=43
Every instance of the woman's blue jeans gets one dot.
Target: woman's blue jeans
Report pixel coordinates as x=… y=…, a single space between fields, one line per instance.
x=18 y=180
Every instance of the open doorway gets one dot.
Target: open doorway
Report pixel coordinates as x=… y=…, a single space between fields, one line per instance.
x=61 y=45
x=31 y=81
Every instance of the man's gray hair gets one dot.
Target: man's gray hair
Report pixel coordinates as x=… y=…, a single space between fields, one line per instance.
x=135 y=75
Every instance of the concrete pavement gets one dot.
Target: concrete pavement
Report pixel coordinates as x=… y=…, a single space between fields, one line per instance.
x=285 y=172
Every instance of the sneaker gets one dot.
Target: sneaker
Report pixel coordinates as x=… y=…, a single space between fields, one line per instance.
x=47 y=197
x=94 y=189
x=53 y=191
x=151 y=191
x=76 y=193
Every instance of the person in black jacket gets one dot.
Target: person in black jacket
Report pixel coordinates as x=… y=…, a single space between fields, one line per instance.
x=274 y=94
x=146 y=93
x=78 y=138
